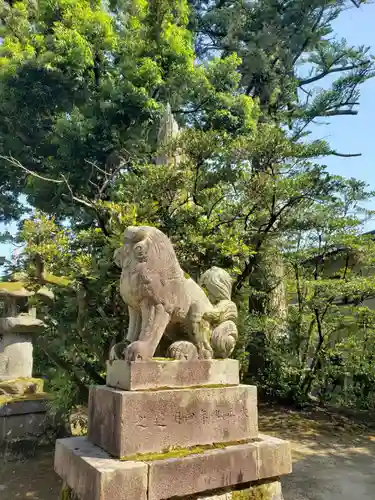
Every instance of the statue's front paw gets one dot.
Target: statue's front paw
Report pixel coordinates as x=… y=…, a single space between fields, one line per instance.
x=118 y=351
x=138 y=351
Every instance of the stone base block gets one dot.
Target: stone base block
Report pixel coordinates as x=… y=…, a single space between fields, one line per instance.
x=125 y=423
x=234 y=472
x=93 y=475
x=23 y=420
x=23 y=406
x=156 y=374
x=259 y=490
x=219 y=469
x=270 y=490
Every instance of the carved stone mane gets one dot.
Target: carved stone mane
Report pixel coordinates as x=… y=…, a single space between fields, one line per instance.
x=161 y=257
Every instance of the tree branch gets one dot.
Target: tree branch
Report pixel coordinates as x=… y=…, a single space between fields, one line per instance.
x=339 y=112
x=17 y=164
x=61 y=363
x=345 y=155
x=64 y=180
x=261 y=236
x=315 y=78
x=307 y=40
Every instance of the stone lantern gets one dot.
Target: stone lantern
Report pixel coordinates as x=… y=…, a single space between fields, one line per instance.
x=23 y=404
x=17 y=327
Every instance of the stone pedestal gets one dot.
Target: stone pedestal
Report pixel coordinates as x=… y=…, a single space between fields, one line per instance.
x=125 y=423
x=195 y=441
x=171 y=374
x=23 y=412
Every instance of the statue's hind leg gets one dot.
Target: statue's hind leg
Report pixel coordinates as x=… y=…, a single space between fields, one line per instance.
x=201 y=332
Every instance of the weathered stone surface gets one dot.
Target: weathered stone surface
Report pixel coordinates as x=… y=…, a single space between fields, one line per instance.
x=23 y=407
x=128 y=422
x=224 y=496
x=20 y=386
x=67 y=493
x=22 y=427
x=218 y=496
x=274 y=457
x=259 y=490
x=219 y=468
x=16 y=351
x=151 y=274
x=93 y=475
x=155 y=374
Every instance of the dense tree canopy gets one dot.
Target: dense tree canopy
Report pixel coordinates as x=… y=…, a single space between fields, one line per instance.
x=84 y=89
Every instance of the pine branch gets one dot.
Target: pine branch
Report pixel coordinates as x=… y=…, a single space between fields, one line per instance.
x=339 y=112
x=315 y=78
x=345 y=155
x=307 y=40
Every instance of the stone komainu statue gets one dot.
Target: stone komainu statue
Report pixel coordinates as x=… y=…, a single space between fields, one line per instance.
x=168 y=311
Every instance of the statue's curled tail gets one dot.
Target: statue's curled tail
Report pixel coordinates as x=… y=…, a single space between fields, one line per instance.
x=223 y=315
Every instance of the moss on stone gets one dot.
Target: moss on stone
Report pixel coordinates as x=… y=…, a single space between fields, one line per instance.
x=15 y=398
x=56 y=280
x=265 y=491
x=181 y=452
x=202 y=386
x=67 y=494
x=241 y=495
x=12 y=286
x=22 y=386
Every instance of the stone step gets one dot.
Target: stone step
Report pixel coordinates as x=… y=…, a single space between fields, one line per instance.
x=156 y=374
x=94 y=475
x=125 y=423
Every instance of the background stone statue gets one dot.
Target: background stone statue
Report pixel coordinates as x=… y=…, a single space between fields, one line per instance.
x=164 y=304
x=168 y=131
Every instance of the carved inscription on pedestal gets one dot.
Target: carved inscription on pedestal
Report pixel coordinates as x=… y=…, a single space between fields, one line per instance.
x=154 y=421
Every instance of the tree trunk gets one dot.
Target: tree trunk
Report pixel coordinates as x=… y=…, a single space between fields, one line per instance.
x=267 y=286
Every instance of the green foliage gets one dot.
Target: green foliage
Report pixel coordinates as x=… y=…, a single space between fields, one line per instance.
x=286 y=48
x=328 y=347
x=83 y=86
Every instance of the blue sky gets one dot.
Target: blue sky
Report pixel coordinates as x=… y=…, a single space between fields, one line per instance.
x=354 y=134
x=346 y=134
